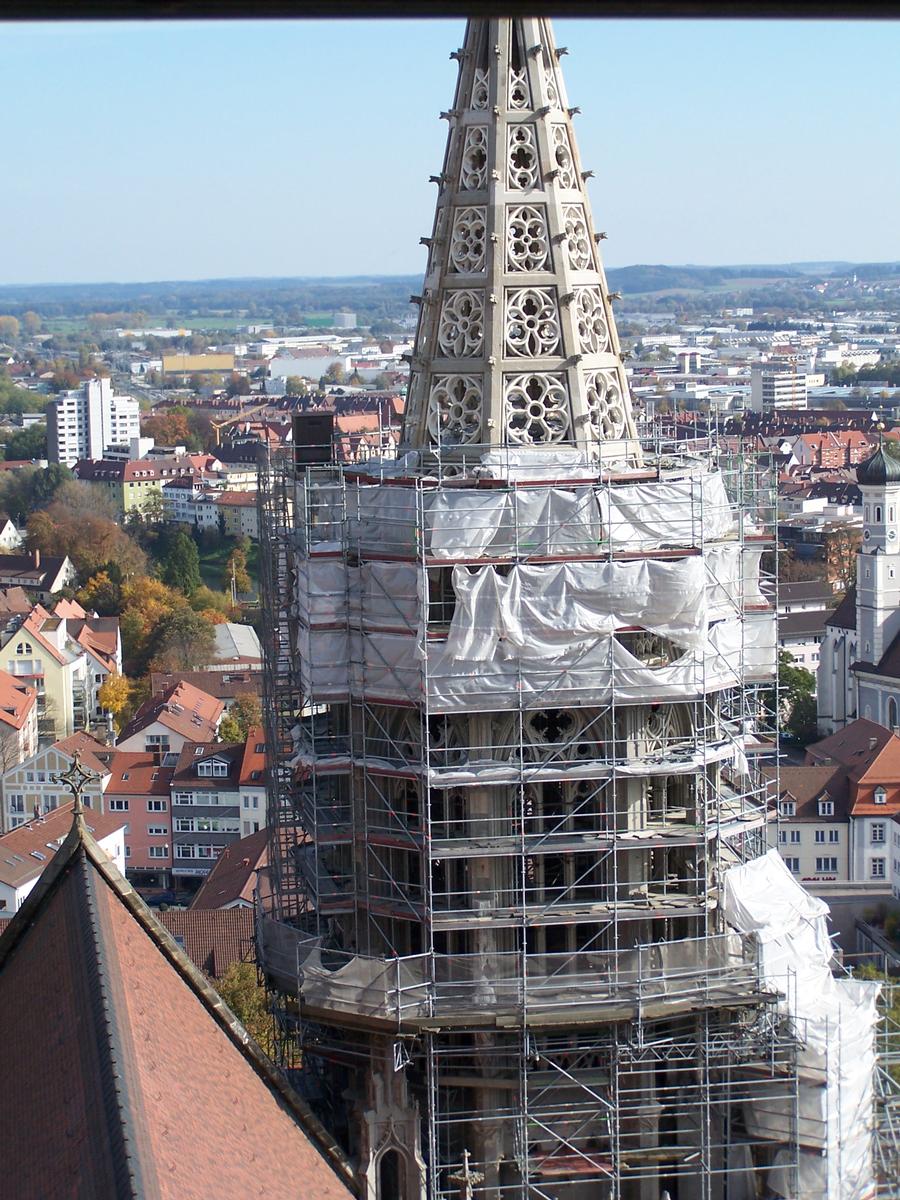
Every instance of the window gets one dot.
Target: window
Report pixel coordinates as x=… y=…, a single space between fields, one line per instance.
x=158 y=852
x=892 y=713
x=787 y=808
x=184 y=851
x=880 y=796
x=128 y=852
x=16 y=803
x=834 y=835
x=156 y=806
x=213 y=767
x=820 y=835
x=826 y=808
x=793 y=865
x=782 y=836
x=118 y=806
x=157 y=830
x=826 y=866
x=879 y=830
x=878 y=865
x=795 y=837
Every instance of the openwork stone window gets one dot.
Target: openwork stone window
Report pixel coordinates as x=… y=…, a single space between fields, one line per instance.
x=662 y=725
x=537 y=409
x=532 y=322
x=480 y=89
x=551 y=91
x=564 y=734
x=593 y=331
x=461 y=329
x=454 y=410
x=473 y=172
x=527 y=243
x=467 y=240
x=578 y=238
x=606 y=405
x=522 y=157
x=562 y=152
x=519 y=95
x=652 y=649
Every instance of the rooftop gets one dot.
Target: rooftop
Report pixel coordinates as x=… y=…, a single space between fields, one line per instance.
x=25 y=852
x=233 y=879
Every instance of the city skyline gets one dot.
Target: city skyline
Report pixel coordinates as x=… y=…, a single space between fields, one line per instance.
x=259 y=149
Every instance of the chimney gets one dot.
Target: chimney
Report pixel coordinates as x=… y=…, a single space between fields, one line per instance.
x=873 y=742
x=36 y=555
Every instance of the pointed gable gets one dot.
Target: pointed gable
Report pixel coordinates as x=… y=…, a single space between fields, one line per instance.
x=125 y=1072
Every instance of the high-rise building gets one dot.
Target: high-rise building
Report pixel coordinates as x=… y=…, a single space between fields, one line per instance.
x=775 y=386
x=520 y=919
x=83 y=423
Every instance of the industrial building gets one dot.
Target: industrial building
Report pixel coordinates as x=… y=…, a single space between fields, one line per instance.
x=521 y=924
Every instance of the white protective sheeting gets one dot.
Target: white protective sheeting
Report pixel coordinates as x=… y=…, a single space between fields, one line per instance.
x=476 y=523
x=682 y=512
x=832 y=1018
x=404 y=668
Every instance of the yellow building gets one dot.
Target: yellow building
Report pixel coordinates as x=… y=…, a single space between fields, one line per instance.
x=197 y=364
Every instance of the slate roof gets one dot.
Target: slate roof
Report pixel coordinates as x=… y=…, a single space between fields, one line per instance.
x=126 y=1074
x=844 y=616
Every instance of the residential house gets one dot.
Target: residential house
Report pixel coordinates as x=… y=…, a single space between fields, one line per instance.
x=136 y=485
x=869 y=757
x=10 y=538
x=239 y=514
x=813 y=821
x=18 y=721
x=253 y=782
x=89 y=978
x=42 y=576
x=26 y=851
x=206 y=805
x=66 y=655
x=232 y=881
x=30 y=788
x=212 y=938
x=138 y=789
x=224 y=685
x=166 y=722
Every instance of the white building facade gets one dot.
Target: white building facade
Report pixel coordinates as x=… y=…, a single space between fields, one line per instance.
x=81 y=424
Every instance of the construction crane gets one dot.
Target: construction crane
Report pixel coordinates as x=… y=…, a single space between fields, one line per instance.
x=244 y=415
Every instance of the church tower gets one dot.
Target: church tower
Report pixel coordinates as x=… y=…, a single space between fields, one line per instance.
x=878 y=562
x=515 y=681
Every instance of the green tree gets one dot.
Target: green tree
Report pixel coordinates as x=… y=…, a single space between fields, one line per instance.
x=27 y=444
x=295 y=385
x=797 y=701
x=181 y=566
x=241 y=990
x=244 y=714
x=183 y=641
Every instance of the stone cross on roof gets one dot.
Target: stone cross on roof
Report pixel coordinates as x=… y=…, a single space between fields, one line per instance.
x=516 y=343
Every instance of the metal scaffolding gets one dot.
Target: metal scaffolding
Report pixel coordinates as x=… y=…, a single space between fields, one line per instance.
x=510 y=896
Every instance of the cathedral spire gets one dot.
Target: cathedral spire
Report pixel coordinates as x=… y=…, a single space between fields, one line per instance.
x=516 y=343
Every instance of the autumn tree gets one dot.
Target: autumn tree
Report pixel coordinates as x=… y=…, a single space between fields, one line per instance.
x=32 y=323
x=244 y=714
x=184 y=640
x=208 y=600
x=114 y=693
x=146 y=602
x=236 y=571
x=88 y=539
x=9 y=329
x=295 y=385
x=101 y=594
x=335 y=373
x=241 y=990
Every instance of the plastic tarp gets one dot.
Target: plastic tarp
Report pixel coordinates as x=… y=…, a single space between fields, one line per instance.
x=471 y=523
x=834 y=1021
x=402 y=667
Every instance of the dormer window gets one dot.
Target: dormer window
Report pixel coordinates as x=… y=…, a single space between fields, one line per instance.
x=787 y=808
x=880 y=796
x=826 y=808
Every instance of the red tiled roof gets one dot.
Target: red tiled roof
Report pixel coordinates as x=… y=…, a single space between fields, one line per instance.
x=236 y=499
x=19 y=849
x=125 y=1071
x=16 y=700
x=870 y=756
x=233 y=878
x=213 y=938
x=253 y=763
x=225 y=685
x=184 y=709
x=92 y=750
x=136 y=773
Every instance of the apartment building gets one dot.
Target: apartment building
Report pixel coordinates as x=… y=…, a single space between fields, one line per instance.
x=777 y=386
x=166 y=722
x=81 y=424
x=30 y=788
x=206 y=805
x=138 y=789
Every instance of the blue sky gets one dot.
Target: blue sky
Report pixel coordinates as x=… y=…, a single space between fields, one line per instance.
x=181 y=151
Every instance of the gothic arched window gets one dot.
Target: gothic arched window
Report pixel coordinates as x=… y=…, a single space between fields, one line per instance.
x=892 y=713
